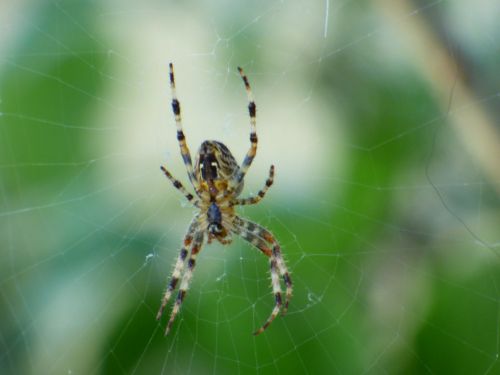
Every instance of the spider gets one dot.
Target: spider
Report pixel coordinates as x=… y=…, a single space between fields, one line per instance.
x=218 y=181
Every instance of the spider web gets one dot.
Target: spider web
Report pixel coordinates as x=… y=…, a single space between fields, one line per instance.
x=382 y=120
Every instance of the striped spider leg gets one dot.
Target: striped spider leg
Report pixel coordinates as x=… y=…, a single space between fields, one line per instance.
x=260 y=195
x=238 y=177
x=263 y=240
x=179 y=265
x=178 y=185
x=186 y=278
x=186 y=156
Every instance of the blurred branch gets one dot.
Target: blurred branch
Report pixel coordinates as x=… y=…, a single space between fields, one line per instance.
x=473 y=125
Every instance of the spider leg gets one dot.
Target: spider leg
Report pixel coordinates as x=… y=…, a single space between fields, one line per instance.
x=263 y=233
x=260 y=194
x=186 y=278
x=252 y=111
x=186 y=156
x=258 y=236
x=262 y=246
x=179 y=266
x=277 y=297
x=178 y=185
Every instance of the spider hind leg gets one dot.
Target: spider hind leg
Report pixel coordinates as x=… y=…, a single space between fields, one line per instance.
x=181 y=138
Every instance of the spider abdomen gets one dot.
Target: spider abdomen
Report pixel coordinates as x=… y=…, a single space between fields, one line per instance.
x=216 y=163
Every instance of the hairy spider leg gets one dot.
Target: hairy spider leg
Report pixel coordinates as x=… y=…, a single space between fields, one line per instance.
x=258 y=236
x=186 y=278
x=260 y=244
x=261 y=194
x=265 y=234
x=186 y=156
x=285 y=274
x=251 y=237
x=252 y=111
x=179 y=266
x=178 y=185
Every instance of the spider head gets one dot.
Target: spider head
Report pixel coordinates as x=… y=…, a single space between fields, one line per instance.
x=214 y=218
x=215 y=229
x=215 y=163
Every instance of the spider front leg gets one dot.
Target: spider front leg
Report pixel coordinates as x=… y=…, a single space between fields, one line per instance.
x=186 y=278
x=261 y=194
x=260 y=238
x=179 y=266
x=186 y=156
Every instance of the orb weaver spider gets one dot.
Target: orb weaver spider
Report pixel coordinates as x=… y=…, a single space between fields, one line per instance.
x=218 y=181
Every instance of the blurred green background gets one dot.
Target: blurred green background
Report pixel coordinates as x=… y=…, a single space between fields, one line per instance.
x=382 y=118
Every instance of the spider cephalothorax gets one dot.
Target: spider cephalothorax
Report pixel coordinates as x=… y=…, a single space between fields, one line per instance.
x=218 y=181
